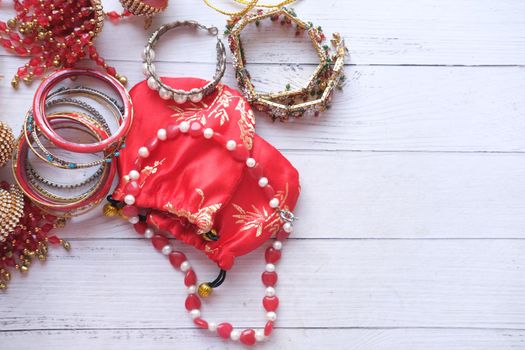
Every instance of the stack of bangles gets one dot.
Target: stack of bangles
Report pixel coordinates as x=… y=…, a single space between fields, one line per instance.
x=40 y=134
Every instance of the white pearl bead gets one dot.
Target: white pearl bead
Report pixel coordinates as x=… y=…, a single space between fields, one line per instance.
x=250 y=162
x=129 y=199
x=192 y=289
x=149 y=233
x=164 y=94
x=288 y=227
x=196 y=98
x=134 y=175
x=162 y=134
x=270 y=292
x=263 y=182
x=151 y=54
x=259 y=335
x=271 y=316
x=144 y=152
x=274 y=203
x=167 y=249
x=146 y=70
x=185 y=266
x=235 y=335
x=184 y=127
x=277 y=245
x=212 y=326
x=134 y=220
x=270 y=268
x=231 y=145
x=152 y=83
x=180 y=99
x=195 y=313
x=208 y=133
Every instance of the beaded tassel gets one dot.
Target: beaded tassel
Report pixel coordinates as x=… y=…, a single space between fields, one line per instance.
x=26 y=233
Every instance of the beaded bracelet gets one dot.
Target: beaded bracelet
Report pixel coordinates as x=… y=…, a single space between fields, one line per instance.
x=178 y=259
x=310 y=99
x=42 y=123
x=181 y=96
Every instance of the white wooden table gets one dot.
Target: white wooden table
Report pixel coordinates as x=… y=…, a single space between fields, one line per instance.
x=413 y=207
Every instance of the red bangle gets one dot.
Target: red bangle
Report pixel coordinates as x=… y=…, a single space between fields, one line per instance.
x=39 y=113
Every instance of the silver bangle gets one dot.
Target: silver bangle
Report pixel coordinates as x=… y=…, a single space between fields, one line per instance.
x=181 y=96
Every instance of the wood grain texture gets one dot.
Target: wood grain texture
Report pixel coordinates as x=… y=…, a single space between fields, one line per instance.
x=348 y=283
x=337 y=339
x=411 y=231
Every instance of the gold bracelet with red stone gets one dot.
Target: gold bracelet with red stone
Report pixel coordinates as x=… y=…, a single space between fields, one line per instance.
x=54 y=34
x=178 y=259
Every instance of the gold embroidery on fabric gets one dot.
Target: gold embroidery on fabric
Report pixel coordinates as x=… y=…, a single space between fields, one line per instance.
x=261 y=220
x=150 y=170
x=246 y=124
x=202 y=218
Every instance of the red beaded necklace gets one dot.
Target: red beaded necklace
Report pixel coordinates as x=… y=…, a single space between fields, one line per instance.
x=54 y=34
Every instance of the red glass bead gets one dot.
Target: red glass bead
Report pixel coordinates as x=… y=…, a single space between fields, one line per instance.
x=130 y=210
x=54 y=240
x=269 y=192
x=272 y=255
x=224 y=330
x=199 y=322
x=270 y=303
x=132 y=188
x=192 y=302
x=177 y=258
x=111 y=71
x=113 y=15
x=256 y=172
x=152 y=144
x=282 y=235
x=269 y=278
x=20 y=50
x=240 y=153
x=195 y=129
x=140 y=227
x=190 y=279
x=159 y=241
x=248 y=337
x=46 y=228
x=268 y=328
x=172 y=131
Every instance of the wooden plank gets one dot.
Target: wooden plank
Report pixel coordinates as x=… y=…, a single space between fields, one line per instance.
x=348 y=339
x=330 y=284
x=381 y=108
x=389 y=195
x=464 y=32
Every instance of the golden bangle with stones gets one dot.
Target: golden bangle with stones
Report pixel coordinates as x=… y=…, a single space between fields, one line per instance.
x=312 y=98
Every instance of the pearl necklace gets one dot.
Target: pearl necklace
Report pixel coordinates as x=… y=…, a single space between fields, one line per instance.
x=178 y=260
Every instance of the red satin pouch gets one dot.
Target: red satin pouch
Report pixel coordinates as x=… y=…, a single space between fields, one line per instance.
x=193 y=185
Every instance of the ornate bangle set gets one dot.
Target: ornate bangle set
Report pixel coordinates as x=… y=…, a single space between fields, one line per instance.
x=41 y=124
x=181 y=96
